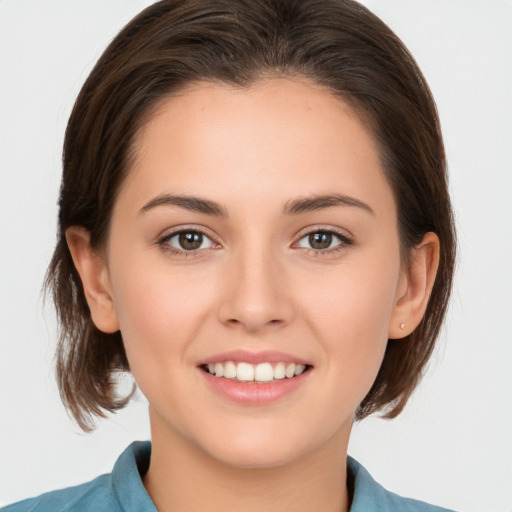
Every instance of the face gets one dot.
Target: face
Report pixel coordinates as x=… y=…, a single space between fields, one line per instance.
x=256 y=238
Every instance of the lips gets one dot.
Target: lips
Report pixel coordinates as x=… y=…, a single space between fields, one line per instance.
x=254 y=378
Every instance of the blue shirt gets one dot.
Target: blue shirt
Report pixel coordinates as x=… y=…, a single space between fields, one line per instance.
x=123 y=491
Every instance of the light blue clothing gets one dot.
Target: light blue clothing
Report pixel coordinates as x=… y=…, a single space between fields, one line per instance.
x=122 y=491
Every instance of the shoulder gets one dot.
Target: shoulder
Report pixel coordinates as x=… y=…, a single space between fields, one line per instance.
x=370 y=496
x=95 y=495
x=121 y=490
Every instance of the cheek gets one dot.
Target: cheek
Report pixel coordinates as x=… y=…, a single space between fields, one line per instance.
x=160 y=310
x=349 y=310
x=356 y=298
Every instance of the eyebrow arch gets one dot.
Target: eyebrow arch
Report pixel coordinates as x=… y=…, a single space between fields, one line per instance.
x=309 y=204
x=192 y=203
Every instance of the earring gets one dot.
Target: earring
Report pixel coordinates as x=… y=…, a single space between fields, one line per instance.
x=402 y=326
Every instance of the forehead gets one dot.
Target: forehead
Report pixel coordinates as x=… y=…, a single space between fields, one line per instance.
x=278 y=137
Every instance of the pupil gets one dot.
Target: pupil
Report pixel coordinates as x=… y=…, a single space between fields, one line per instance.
x=190 y=241
x=320 y=240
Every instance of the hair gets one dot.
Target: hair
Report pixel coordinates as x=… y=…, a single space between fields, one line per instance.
x=338 y=44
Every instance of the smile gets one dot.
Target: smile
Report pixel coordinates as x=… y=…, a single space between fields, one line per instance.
x=258 y=373
x=255 y=378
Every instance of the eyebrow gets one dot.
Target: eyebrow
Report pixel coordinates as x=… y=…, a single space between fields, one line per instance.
x=292 y=207
x=316 y=202
x=192 y=203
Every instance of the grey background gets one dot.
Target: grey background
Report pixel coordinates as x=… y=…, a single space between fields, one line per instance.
x=453 y=444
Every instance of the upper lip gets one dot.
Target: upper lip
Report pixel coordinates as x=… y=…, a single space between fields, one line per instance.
x=245 y=356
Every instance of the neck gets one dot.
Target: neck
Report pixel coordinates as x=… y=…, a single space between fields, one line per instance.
x=183 y=477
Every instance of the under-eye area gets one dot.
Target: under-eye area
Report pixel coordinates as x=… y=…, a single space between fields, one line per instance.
x=257 y=373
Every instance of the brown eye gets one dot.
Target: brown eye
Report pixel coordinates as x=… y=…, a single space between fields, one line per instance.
x=320 y=240
x=188 y=241
x=324 y=241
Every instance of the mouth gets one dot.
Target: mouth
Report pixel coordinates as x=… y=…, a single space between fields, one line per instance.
x=261 y=373
x=255 y=378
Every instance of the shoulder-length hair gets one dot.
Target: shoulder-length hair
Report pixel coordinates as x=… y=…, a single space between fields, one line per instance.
x=335 y=43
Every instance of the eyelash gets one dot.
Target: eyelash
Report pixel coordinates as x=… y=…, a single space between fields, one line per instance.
x=345 y=241
x=163 y=242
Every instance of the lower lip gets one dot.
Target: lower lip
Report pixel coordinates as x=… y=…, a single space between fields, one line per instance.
x=252 y=393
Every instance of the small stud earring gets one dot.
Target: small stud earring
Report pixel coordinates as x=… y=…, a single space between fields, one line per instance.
x=402 y=326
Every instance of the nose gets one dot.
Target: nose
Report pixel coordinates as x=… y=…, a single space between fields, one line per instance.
x=255 y=295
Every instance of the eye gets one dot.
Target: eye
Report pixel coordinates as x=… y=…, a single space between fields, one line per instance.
x=187 y=241
x=323 y=241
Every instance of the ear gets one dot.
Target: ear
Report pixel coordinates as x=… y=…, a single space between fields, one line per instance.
x=414 y=287
x=93 y=273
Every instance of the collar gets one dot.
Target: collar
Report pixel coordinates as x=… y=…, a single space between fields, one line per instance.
x=368 y=495
x=126 y=479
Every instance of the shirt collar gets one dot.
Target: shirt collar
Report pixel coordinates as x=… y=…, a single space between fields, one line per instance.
x=133 y=463
x=127 y=475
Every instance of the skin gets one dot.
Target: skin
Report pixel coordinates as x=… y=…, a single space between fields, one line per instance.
x=258 y=285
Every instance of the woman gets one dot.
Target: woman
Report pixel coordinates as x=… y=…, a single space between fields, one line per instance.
x=254 y=221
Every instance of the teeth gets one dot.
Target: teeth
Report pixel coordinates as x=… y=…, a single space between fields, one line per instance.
x=290 y=370
x=263 y=372
x=299 y=369
x=279 y=371
x=244 y=372
x=219 y=369
x=229 y=370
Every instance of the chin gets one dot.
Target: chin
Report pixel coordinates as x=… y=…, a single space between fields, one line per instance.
x=250 y=449
x=256 y=458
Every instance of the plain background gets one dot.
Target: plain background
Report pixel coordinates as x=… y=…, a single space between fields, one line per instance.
x=453 y=444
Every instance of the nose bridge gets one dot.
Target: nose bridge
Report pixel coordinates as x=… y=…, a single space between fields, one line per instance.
x=256 y=295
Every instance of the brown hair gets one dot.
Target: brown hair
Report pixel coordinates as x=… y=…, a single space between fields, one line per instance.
x=335 y=43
